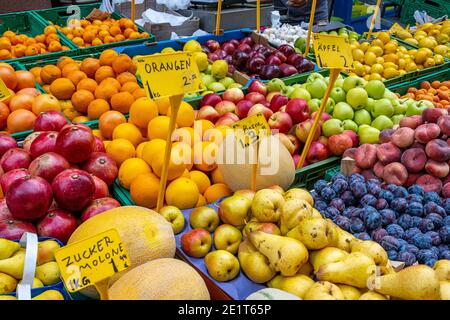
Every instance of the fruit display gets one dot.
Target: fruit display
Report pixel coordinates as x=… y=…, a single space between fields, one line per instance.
x=384 y=58
x=352 y=36
x=285 y=34
x=218 y=76
x=16 y=45
x=437 y=92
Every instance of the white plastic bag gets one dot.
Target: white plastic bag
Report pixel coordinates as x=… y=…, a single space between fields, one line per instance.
x=175 y=4
x=275 y=19
x=152 y=16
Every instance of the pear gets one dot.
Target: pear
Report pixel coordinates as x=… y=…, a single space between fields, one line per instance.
x=14 y=266
x=48 y=273
x=312 y=232
x=297 y=193
x=7 y=248
x=46 y=251
x=254 y=264
x=7 y=283
x=353 y=270
x=324 y=290
x=349 y=292
x=8 y=298
x=325 y=256
x=442 y=269
x=445 y=290
x=268 y=227
x=315 y=213
x=298 y=284
x=373 y=250
x=387 y=269
x=285 y=255
x=292 y=212
x=306 y=269
x=418 y=282
x=372 y=295
x=266 y=205
x=340 y=238
x=36 y=283
x=49 y=295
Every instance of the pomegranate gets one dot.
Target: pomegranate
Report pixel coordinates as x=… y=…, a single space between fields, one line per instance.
x=73 y=189
x=57 y=224
x=8 y=178
x=98 y=206
x=50 y=121
x=28 y=198
x=6 y=142
x=5 y=214
x=14 y=229
x=102 y=166
x=15 y=159
x=29 y=140
x=45 y=142
x=48 y=166
x=75 y=143
x=99 y=146
x=78 y=125
x=101 y=188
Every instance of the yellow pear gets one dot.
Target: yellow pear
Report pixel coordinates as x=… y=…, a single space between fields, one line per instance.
x=445 y=290
x=285 y=255
x=36 y=283
x=14 y=266
x=325 y=256
x=373 y=250
x=442 y=269
x=292 y=212
x=340 y=238
x=254 y=264
x=298 y=284
x=49 y=295
x=353 y=270
x=418 y=282
x=324 y=290
x=48 y=273
x=7 y=248
x=316 y=213
x=372 y=295
x=297 y=193
x=266 y=205
x=306 y=269
x=8 y=298
x=349 y=292
x=312 y=232
x=46 y=251
x=7 y=283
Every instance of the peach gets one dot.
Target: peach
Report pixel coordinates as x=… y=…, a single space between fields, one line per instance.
x=446 y=190
x=437 y=169
x=388 y=152
x=429 y=183
x=432 y=115
x=414 y=159
x=385 y=135
x=412 y=178
x=349 y=153
x=417 y=145
x=411 y=122
x=438 y=150
x=378 y=169
x=427 y=132
x=368 y=174
x=444 y=124
x=395 y=173
x=366 y=156
x=403 y=137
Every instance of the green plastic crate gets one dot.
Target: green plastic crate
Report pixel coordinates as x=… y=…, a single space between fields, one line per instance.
x=60 y=15
x=434 y=8
x=30 y=24
x=331 y=172
x=121 y=194
x=307 y=176
x=403 y=87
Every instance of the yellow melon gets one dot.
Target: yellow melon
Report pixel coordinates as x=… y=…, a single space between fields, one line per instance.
x=161 y=279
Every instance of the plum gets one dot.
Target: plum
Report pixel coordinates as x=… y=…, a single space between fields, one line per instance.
x=435 y=239
x=395 y=230
x=425 y=255
x=416 y=189
x=331 y=213
x=432 y=197
x=391 y=187
x=338 y=176
x=437 y=220
x=388 y=216
x=315 y=195
x=381 y=204
x=430 y=207
x=441 y=211
x=402 y=242
x=405 y=221
x=363 y=236
x=392 y=255
x=373 y=220
x=400 y=192
x=415 y=209
x=426 y=225
x=389 y=243
x=386 y=195
x=368 y=200
x=320 y=205
x=352 y=212
x=343 y=222
x=338 y=204
x=416 y=221
x=445 y=255
x=444 y=233
x=348 y=198
x=357 y=225
x=327 y=194
x=410 y=233
x=374 y=189
x=399 y=205
x=339 y=186
x=446 y=221
x=378 y=234
x=359 y=189
x=319 y=185
x=407 y=257
x=421 y=241
x=414 y=198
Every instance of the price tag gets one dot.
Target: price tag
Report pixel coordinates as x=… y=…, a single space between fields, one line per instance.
x=87 y=262
x=332 y=51
x=168 y=74
x=4 y=92
x=251 y=129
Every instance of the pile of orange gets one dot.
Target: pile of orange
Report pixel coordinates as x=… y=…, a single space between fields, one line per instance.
x=91 y=87
x=85 y=33
x=437 y=92
x=138 y=147
x=14 y=45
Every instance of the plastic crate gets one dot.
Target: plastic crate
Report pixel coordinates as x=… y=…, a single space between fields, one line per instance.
x=60 y=15
x=30 y=24
x=306 y=177
x=331 y=172
x=403 y=87
x=434 y=8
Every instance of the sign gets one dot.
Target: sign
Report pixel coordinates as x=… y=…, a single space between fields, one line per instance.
x=396 y=28
x=87 y=262
x=251 y=129
x=4 y=92
x=168 y=74
x=332 y=51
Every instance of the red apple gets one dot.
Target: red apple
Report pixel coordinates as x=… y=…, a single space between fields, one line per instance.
x=210 y=99
x=277 y=102
x=224 y=107
x=208 y=113
x=353 y=136
x=296 y=159
x=290 y=142
x=323 y=140
x=255 y=97
x=227 y=119
x=242 y=108
x=323 y=117
x=280 y=121
x=196 y=243
x=302 y=130
x=298 y=109
x=338 y=143
x=233 y=94
x=257 y=86
x=272 y=94
x=257 y=108
x=57 y=224
x=317 y=152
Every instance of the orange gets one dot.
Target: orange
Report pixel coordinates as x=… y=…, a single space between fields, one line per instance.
x=119 y=37
x=87 y=84
x=89 y=66
x=88 y=36
x=49 y=30
x=108 y=121
x=51 y=37
x=5 y=43
x=45 y=102
x=163 y=105
x=109 y=39
x=9 y=34
x=182 y=153
x=102 y=34
x=142 y=111
x=216 y=176
x=25 y=79
x=105 y=92
x=111 y=81
x=122 y=63
x=134 y=35
x=104 y=72
x=97 y=42
x=217 y=191
x=126 y=77
x=216 y=135
x=76 y=77
x=4 y=113
x=19 y=50
x=152 y=148
x=4 y=64
x=21 y=101
x=186 y=135
x=122 y=101
x=185 y=116
x=205 y=153
x=40 y=38
x=81 y=100
x=139 y=93
x=9 y=77
x=120 y=150
x=201 y=179
x=69 y=68
x=140 y=148
x=176 y=165
x=62 y=88
x=201 y=201
x=130 y=87
x=144 y=190
x=202 y=125
x=130 y=169
x=114 y=30
x=54 y=46
x=36 y=71
x=125 y=23
x=20 y=120
x=107 y=57
x=96 y=108
x=182 y=193
x=158 y=127
x=128 y=131
x=32 y=50
x=64 y=60
x=127 y=32
x=29 y=91
x=5 y=54
x=78 y=41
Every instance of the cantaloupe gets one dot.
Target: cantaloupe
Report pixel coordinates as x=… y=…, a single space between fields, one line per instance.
x=275 y=164
x=161 y=279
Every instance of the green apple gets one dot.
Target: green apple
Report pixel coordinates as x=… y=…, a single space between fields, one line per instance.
x=350 y=125
x=300 y=93
x=338 y=94
x=207 y=79
x=204 y=93
x=332 y=127
x=190 y=95
x=205 y=218
x=329 y=107
x=368 y=134
x=227 y=237
x=353 y=82
x=314 y=105
x=174 y=216
x=425 y=104
x=382 y=122
x=208 y=70
x=216 y=87
x=339 y=83
x=357 y=98
x=375 y=89
x=227 y=81
x=275 y=85
x=370 y=104
x=235 y=85
x=389 y=95
x=396 y=119
x=343 y=111
x=382 y=107
x=317 y=88
x=333 y=33
x=314 y=76
x=288 y=91
x=418 y=107
x=362 y=117
x=399 y=108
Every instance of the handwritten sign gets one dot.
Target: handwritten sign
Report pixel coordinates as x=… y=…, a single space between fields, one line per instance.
x=396 y=28
x=4 y=92
x=87 y=262
x=251 y=129
x=168 y=74
x=332 y=51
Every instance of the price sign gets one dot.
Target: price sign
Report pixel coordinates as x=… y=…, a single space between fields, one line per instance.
x=4 y=92
x=168 y=74
x=396 y=28
x=332 y=51
x=90 y=261
x=251 y=129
